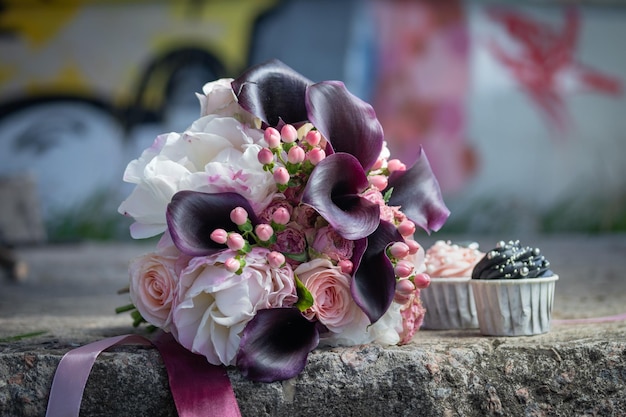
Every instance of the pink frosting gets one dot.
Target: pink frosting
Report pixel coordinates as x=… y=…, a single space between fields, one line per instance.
x=447 y=260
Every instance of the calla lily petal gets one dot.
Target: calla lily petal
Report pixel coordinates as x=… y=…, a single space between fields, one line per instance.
x=374 y=283
x=275 y=345
x=347 y=122
x=192 y=216
x=417 y=192
x=272 y=91
x=333 y=190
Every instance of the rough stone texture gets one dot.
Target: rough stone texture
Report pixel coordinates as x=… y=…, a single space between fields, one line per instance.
x=574 y=370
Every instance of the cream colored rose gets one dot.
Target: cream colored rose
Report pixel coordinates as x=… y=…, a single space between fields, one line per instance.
x=153 y=287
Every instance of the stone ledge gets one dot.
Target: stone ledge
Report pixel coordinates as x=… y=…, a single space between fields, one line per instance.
x=573 y=370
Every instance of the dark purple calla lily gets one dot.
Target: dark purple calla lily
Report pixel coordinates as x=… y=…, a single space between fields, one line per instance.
x=273 y=91
x=275 y=345
x=333 y=191
x=349 y=123
x=374 y=282
x=417 y=192
x=192 y=216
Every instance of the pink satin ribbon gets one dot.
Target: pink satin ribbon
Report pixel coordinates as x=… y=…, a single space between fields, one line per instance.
x=198 y=388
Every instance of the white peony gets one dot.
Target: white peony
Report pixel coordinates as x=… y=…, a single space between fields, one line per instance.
x=216 y=154
x=214 y=305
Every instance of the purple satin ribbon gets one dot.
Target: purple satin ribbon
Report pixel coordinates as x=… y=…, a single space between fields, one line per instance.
x=591 y=320
x=198 y=388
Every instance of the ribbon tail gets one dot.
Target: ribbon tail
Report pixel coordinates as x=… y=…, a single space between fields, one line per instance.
x=71 y=375
x=198 y=387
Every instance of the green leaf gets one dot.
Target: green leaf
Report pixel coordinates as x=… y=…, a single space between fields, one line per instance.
x=300 y=257
x=387 y=195
x=305 y=298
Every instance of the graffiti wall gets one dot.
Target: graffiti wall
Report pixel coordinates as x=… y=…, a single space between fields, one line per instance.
x=545 y=113
x=519 y=107
x=84 y=84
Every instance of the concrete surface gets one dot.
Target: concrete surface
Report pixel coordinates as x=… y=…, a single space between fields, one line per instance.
x=574 y=370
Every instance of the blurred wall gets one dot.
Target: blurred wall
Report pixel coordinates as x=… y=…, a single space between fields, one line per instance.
x=519 y=107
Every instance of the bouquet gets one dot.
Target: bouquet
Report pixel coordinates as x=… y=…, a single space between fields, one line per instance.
x=284 y=223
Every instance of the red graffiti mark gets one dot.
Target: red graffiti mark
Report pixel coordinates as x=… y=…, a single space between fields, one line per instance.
x=545 y=59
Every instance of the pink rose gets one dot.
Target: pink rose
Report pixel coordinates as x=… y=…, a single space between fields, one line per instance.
x=214 y=305
x=290 y=240
x=153 y=287
x=305 y=216
x=330 y=244
x=333 y=304
x=267 y=214
x=386 y=213
x=412 y=317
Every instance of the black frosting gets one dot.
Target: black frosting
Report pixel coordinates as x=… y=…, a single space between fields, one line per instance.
x=512 y=261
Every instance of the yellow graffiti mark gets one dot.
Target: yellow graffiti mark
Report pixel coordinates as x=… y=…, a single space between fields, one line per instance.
x=68 y=80
x=37 y=24
x=6 y=74
x=227 y=27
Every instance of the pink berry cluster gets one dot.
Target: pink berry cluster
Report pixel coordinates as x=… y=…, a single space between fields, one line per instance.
x=286 y=155
x=290 y=156
x=408 y=279
x=262 y=234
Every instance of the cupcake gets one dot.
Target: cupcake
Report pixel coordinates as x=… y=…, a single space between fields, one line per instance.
x=513 y=287
x=448 y=299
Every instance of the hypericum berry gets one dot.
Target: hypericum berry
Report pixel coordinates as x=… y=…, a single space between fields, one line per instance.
x=295 y=155
x=264 y=232
x=316 y=155
x=275 y=259
x=239 y=216
x=232 y=265
x=281 y=216
x=235 y=241
x=265 y=156
x=346 y=266
x=219 y=236
x=313 y=137
x=394 y=165
x=404 y=291
x=272 y=137
x=378 y=181
x=281 y=175
x=422 y=281
x=399 y=250
x=414 y=247
x=289 y=134
x=406 y=228
x=403 y=269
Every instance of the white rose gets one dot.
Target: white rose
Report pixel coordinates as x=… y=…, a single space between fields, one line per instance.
x=214 y=305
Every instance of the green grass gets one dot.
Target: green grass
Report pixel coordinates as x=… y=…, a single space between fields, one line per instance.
x=95 y=219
